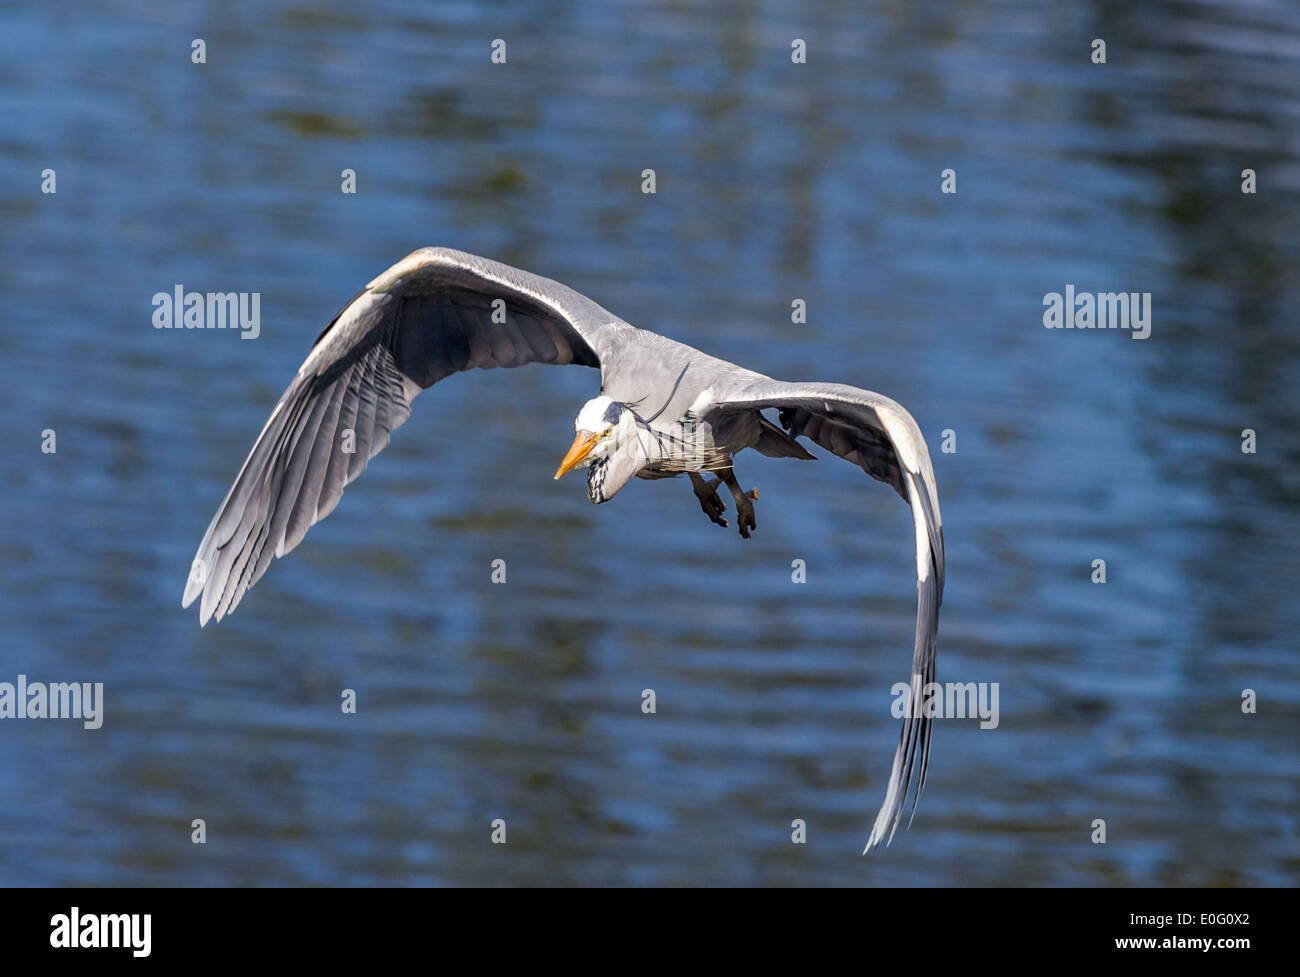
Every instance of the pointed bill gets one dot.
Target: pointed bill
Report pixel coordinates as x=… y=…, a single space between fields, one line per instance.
x=581 y=447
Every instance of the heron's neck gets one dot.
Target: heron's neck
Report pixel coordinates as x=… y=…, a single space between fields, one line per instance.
x=607 y=474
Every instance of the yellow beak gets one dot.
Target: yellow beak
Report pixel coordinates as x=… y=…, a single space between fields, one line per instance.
x=580 y=448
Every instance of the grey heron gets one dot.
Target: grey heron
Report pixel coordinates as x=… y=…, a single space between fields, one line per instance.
x=664 y=409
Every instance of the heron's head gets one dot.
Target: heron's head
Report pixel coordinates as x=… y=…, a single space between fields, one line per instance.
x=606 y=444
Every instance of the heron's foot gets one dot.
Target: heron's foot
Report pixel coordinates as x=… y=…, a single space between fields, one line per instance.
x=744 y=503
x=707 y=493
x=745 y=512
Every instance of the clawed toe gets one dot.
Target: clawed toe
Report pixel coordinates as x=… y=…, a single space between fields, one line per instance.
x=710 y=503
x=746 y=521
x=713 y=506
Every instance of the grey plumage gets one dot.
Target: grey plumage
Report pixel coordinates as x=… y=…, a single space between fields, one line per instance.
x=671 y=409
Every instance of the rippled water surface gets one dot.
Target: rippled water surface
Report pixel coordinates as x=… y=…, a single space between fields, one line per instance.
x=775 y=181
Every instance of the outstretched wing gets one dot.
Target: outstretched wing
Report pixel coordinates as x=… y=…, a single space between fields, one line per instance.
x=876 y=433
x=434 y=313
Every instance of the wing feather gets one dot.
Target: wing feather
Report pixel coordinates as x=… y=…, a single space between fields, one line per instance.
x=877 y=434
x=427 y=317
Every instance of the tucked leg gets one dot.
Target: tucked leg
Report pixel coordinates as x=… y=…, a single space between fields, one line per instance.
x=707 y=493
x=744 y=502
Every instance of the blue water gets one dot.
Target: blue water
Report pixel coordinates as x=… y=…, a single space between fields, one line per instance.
x=775 y=181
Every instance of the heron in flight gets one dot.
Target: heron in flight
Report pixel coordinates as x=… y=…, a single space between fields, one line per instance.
x=664 y=409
